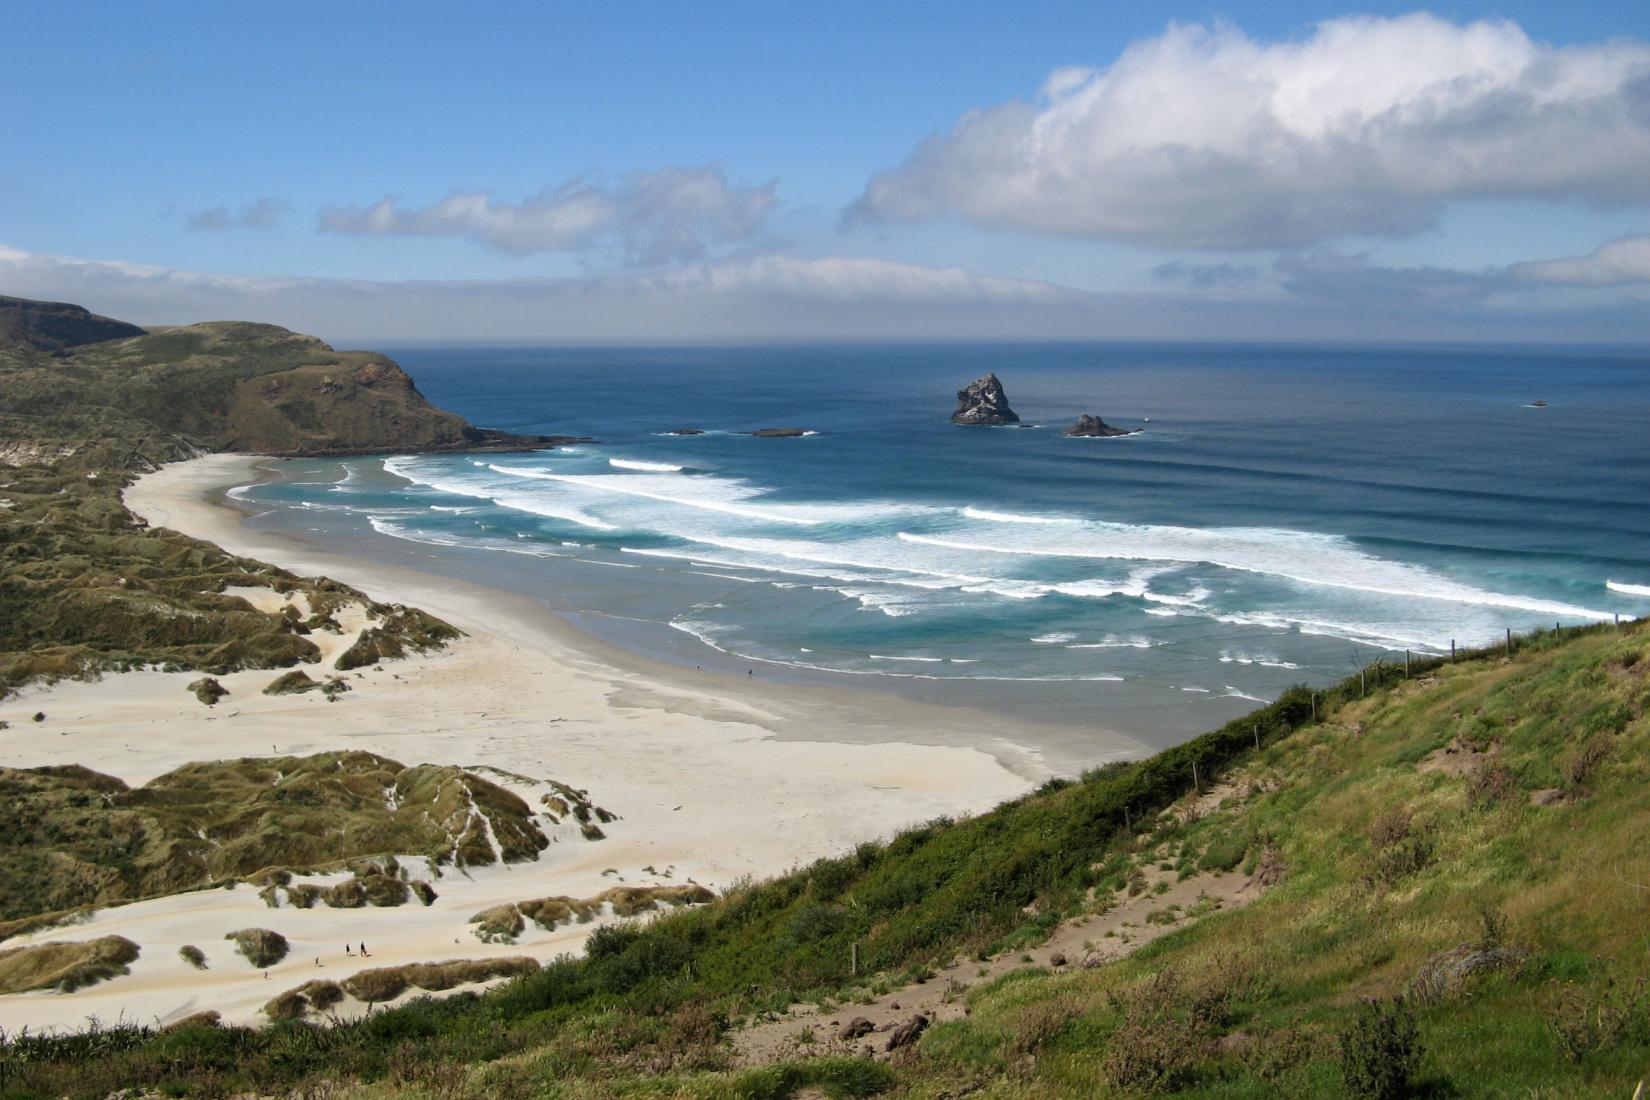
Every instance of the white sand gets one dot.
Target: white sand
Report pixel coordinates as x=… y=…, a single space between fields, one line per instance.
x=688 y=760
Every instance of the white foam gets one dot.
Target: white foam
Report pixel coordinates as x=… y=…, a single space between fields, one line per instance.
x=645 y=467
x=1009 y=517
x=1116 y=643
x=1628 y=589
x=1055 y=638
x=1298 y=556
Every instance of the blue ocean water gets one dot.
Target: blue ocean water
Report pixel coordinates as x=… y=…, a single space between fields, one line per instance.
x=1286 y=515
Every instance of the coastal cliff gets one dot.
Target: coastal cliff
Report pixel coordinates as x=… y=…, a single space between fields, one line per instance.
x=69 y=379
x=983 y=401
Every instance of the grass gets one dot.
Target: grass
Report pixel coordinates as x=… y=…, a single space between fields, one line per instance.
x=76 y=837
x=65 y=966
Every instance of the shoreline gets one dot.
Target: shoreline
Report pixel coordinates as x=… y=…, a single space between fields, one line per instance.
x=711 y=783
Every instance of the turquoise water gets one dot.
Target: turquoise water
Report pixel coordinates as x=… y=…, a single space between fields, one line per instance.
x=1287 y=514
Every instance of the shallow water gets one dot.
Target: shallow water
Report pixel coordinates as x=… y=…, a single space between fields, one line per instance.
x=1286 y=515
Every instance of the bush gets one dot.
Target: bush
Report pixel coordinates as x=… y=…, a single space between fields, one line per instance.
x=193 y=955
x=1381 y=1051
x=1580 y=767
x=261 y=947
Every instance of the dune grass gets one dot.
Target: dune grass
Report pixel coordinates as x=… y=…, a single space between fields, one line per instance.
x=65 y=966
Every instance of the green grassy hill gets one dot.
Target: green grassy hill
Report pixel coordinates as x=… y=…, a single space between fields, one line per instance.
x=1455 y=905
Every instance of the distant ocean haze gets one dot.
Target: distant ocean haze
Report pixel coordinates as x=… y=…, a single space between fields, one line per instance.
x=1287 y=514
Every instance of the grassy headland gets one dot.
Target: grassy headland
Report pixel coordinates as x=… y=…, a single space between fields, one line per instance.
x=86 y=404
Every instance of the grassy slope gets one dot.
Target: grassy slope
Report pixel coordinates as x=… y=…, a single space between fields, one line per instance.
x=1356 y=916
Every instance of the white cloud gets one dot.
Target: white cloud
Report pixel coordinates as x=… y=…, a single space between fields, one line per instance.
x=786 y=298
x=262 y=214
x=672 y=214
x=1204 y=137
x=1618 y=263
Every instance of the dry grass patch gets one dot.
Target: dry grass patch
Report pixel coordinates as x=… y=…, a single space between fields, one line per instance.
x=65 y=966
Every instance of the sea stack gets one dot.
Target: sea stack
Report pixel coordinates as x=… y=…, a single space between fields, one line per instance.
x=1090 y=425
x=983 y=401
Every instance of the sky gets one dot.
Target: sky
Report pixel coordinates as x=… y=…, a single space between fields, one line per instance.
x=725 y=172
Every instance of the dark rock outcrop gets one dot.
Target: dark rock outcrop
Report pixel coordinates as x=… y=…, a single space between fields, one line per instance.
x=1092 y=426
x=983 y=401
x=53 y=326
x=686 y=431
x=908 y=1032
x=779 y=433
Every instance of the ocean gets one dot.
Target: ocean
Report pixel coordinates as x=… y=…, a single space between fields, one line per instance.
x=1286 y=515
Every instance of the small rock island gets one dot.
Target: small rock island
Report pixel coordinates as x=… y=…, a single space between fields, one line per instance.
x=1091 y=426
x=780 y=433
x=983 y=401
x=686 y=431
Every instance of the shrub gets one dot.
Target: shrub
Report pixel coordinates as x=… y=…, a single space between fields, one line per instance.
x=193 y=955
x=1585 y=1020
x=1389 y=827
x=1580 y=767
x=261 y=947
x=1381 y=1051
x=1489 y=783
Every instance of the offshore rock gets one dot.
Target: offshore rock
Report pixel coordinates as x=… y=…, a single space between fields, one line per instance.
x=983 y=401
x=1091 y=425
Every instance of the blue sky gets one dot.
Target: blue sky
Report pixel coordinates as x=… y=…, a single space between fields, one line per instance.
x=760 y=170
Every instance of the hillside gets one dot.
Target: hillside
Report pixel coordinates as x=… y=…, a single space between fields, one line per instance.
x=1444 y=895
x=87 y=403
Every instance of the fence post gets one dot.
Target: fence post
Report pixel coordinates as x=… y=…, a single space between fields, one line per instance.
x=853 y=960
x=1452 y=651
x=1314 y=706
x=1363 y=683
x=1197 y=784
x=1406 y=664
x=1257 y=736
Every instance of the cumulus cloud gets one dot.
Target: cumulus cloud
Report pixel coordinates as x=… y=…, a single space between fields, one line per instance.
x=672 y=214
x=1618 y=263
x=262 y=214
x=1204 y=137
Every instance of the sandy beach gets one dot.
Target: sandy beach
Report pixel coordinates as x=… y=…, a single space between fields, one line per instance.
x=713 y=779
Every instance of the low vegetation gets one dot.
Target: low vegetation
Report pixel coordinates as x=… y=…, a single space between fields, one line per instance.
x=260 y=946
x=1506 y=958
x=76 y=837
x=65 y=967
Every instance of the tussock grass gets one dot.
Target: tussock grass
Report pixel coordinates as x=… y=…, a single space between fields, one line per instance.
x=261 y=947
x=65 y=966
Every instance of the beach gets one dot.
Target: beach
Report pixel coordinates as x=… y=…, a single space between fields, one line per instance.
x=713 y=779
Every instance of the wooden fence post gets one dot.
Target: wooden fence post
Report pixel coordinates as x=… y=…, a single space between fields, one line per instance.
x=1452 y=651
x=1257 y=736
x=853 y=960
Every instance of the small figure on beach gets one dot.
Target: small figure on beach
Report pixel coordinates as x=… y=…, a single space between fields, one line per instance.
x=348 y=950
x=364 y=954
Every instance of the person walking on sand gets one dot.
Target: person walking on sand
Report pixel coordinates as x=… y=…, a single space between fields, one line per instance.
x=350 y=951
x=364 y=954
